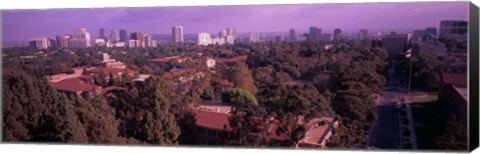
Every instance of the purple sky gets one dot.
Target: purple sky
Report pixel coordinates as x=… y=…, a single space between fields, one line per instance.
x=26 y=24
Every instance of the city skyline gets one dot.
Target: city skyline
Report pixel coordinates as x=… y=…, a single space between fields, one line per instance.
x=25 y=24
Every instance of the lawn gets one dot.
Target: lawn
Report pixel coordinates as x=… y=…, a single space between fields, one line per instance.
x=428 y=97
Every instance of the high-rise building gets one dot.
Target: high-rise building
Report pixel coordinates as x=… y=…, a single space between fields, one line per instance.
x=395 y=44
x=314 y=34
x=232 y=31
x=149 y=40
x=453 y=29
x=336 y=33
x=222 y=34
x=362 y=34
x=326 y=37
x=39 y=43
x=138 y=36
x=62 y=41
x=431 y=33
x=278 y=38
x=418 y=35
x=230 y=39
x=80 y=38
x=254 y=37
x=204 y=39
x=114 y=36
x=102 y=34
x=218 y=40
x=123 y=35
x=177 y=34
x=52 y=42
x=291 y=35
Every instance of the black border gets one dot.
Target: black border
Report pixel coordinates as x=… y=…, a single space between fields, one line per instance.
x=473 y=41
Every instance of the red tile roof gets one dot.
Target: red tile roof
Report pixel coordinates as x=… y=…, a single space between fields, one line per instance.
x=212 y=120
x=72 y=86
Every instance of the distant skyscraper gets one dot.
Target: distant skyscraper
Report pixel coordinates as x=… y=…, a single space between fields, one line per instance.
x=418 y=35
x=204 y=39
x=326 y=37
x=254 y=37
x=138 y=36
x=114 y=36
x=62 y=41
x=39 y=43
x=362 y=34
x=395 y=44
x=336 y=33
x=222 y=34
x=232 y=31
x=279 y=38
x=431 y=33
x=229 y=39
x=80 y=38
x=102 y=33
x=314 y=34
x=177 y=34
x=52 y=42
x=292 y=36
x=123 y=35
x=149 y=41
x=453 y=29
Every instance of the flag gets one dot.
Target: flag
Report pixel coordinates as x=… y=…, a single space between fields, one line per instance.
x=408 y=53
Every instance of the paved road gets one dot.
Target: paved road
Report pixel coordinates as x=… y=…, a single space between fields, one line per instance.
x=385 y=133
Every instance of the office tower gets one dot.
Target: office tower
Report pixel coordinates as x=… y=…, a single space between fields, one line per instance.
x=278 y=38
x=52 y=43
x=222 y=34
x=336 y=33
x=39 y=43
x=204 y=39
x=453 y=29
x=362 y=34
x=326 y=37
x=123 y=35
x=138 y=37
x=430 y=33
x=229 y=39
x=149 y=41
x=102 y=34
x=114 y=36
x=254 y=37
x=395 y=44
x=100 y=42
x=314 y=34
x=218 y=40
x=177 y=34
x=292 y=36
x=62 y=41
x=80 y=38
x=418 y=35
x=232 y=31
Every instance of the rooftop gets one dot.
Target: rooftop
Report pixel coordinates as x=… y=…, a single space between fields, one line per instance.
x=457 y=79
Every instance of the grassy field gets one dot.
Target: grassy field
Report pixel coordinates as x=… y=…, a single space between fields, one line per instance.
x=428 y=97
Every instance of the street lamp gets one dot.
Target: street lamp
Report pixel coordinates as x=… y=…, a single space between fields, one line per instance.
x=409 y=55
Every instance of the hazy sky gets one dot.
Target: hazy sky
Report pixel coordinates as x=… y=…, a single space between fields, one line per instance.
x=26 y=24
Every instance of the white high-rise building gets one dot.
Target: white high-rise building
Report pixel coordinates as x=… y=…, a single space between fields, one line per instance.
x=218 y=40
x=80 y=38
x=149 y=41
x=232 y=31
x=177 y=34
x=39 y=43
x=204 y=39
x=230 y=39
x=254 y=37
x=291 y=35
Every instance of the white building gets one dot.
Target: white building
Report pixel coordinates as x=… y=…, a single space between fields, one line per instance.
x=218 y=40
x=39 y=43
x=149 y=41
x=204 y=39
x=222 y=34
x=100 y=42
x=135 y=43
x=230 y=39
x=80 y=38
x=254 y=37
